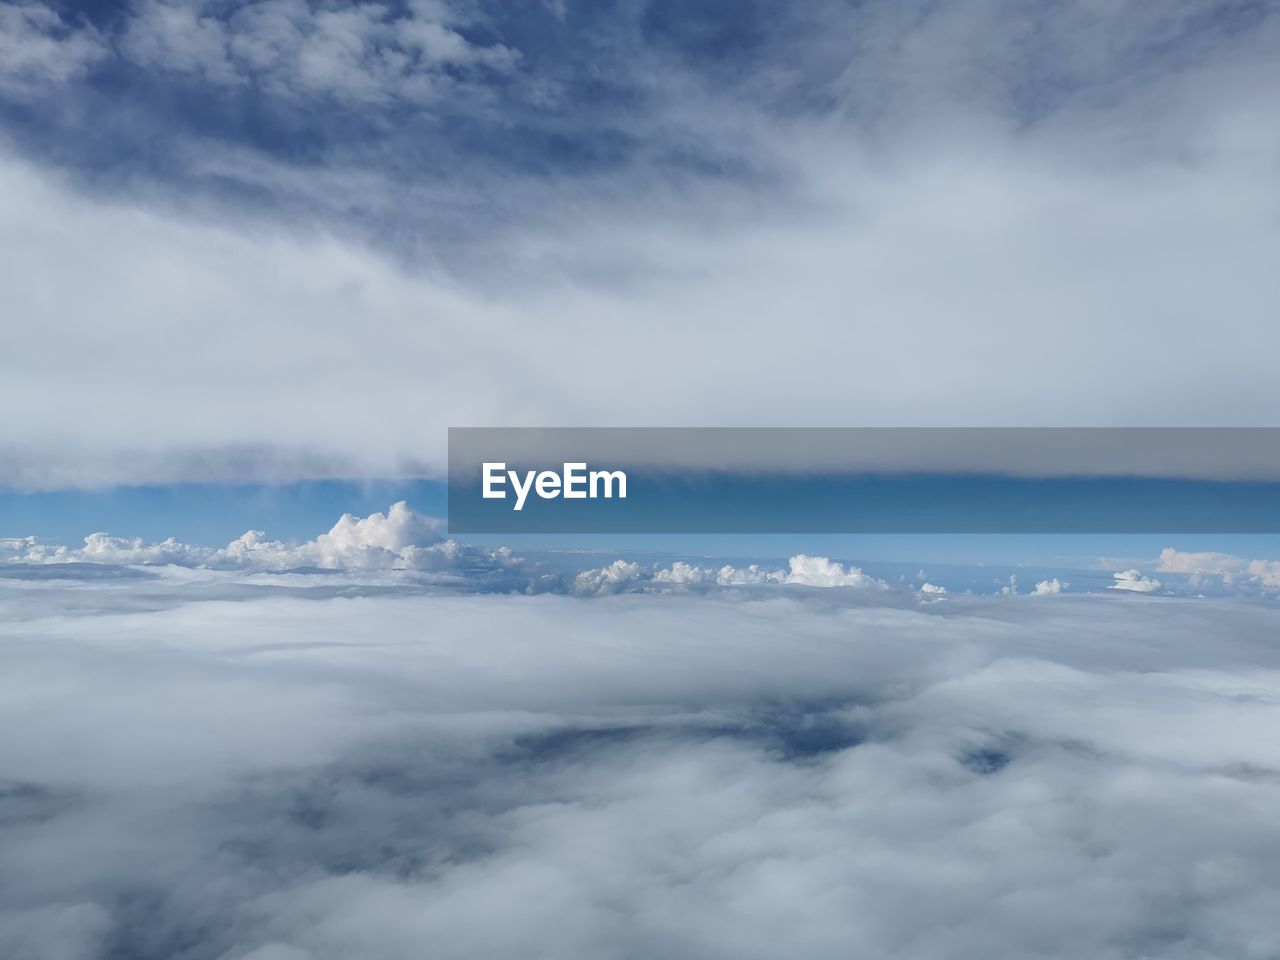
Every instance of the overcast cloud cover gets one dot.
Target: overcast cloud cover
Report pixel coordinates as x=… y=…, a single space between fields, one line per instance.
x=278 y=239
x=364 y=758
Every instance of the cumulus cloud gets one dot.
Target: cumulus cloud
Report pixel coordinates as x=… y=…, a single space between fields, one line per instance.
x=1229 y=568
x=1134 y=582
x=821 y=572
x=279 y=775
x=1050 y=587
x=801 y=570
x=400 y=539
x=608 y=579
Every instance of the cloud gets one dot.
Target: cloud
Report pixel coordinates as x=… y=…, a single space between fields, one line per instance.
x=1134 y=582
x=1051 y=587
x=932 y=588
x=302 y=222
x=358 y=54
x=38 y=47
x=282 y=775
x=398 y=540
x=406 y=540
x=821 y=572
x=802 y=570
x=1231 y=569
x=609 y=579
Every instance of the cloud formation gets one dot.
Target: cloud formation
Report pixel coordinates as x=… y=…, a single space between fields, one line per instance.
x=398 y=540
x=802 y=570
x=1230 y=569
x=281 y=775
x=39 y=47
x=1134 y=582
x=1050 y=587
x=350 y=194
x=357 y=55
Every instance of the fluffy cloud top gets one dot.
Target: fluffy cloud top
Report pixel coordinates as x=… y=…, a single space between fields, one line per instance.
x=802 y=570
x=398 y=540
x=39 y=47
x=1231 y=569
x=1134 y=582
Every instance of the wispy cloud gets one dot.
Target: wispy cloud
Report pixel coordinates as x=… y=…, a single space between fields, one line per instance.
x=40 y=48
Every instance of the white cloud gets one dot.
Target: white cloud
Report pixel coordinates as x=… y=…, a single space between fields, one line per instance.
x=1158 y=199
x=609 y=579
x=802 y=570
x=1134 y=582
x=821 y=572
x=932 y=588
x=1050 y=587
x=278 y=776
x=1232 y=569
x=398 y=540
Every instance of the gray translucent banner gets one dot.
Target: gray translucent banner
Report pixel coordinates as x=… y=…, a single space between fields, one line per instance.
x=864 y=480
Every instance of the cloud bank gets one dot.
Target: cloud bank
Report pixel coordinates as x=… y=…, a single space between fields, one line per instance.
x=802 y=570
x=398 y=540
x=272 y=774
x=345 y=211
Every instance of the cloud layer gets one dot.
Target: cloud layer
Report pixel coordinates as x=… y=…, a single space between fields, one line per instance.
x=273 y=774
x=272 y=240
x=400 y=539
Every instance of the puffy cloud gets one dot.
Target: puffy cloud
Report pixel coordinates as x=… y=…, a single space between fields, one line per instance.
x=1232 y=569
x=932 y=588
x=1134 y=582
x=400 y=530
x=1046 y=588
x=282 y=775
x=398 y=540
x=821 y=572
x=802 y=570
x=1176 y=561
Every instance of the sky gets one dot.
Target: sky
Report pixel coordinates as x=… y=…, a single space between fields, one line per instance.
x=272 y=242
x=260 y=703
